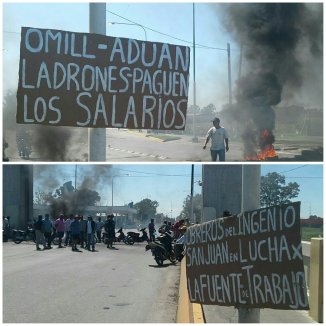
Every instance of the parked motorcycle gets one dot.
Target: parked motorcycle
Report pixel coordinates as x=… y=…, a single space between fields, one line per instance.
x=136 y=237
x=123 y=238
x=20 y=235
x=162 y=249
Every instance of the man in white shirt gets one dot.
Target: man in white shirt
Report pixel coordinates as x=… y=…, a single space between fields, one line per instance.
x=220 y=140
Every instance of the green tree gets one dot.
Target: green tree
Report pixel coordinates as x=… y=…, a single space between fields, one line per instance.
x=275 y=191
x=146 y=209
x=208 y=110
x=197 y=206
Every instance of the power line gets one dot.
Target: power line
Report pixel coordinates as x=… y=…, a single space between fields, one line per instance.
x=299 y=167
x=156 y=174
x=303 y=177
x=168 y=35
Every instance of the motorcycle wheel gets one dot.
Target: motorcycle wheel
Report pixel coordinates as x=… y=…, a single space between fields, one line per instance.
x=130 y=241
x=18 y=240
x=55 y=241
x=159 y=259
x=173 y=258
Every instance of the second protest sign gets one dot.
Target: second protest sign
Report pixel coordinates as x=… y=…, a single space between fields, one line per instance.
x=253 y=259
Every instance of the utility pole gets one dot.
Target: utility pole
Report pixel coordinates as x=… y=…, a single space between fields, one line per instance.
x=194 y=138
x=229 y=73
x=192 y=195
x=250 y=201
x=97 y=136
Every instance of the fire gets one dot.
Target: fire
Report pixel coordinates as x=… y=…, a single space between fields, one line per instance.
x=266 y=138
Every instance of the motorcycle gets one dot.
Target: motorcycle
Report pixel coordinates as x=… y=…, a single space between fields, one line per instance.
x=136 y=237
x=122 y=237
x=20 y=235
x=162 y=249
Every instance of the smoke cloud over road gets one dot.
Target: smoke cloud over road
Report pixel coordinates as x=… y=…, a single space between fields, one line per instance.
x=282 y=50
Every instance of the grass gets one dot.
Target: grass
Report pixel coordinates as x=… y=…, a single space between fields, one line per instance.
x=307 y=233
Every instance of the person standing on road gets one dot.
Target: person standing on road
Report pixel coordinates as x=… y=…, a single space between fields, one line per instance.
x=151 y=230
x=75 y=233
x=83 y=225
x=67 y=229
x=99 y=226
x=59 y=225
x=220 y=141
x=109 y=228
x=47 y=228
x=91 y=229
x=39 y=235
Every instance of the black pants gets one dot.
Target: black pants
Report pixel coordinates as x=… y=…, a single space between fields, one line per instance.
x=48 y=238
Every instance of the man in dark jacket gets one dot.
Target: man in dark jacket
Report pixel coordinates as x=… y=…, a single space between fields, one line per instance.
x=75 y=233
x=151 y=230
x=109 y=228
x=38 y=226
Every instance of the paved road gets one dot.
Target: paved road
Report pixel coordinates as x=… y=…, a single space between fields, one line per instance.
x=133 y=146
x=108 y=286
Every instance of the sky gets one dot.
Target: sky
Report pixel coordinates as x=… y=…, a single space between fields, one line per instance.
x=154 y=22
x=170 y=184
x=170 y=23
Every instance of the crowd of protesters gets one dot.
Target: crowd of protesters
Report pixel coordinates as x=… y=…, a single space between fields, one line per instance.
x=73 y=231
x=79 y=233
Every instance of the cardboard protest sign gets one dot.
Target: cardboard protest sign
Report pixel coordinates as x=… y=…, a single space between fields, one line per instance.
x=91 y=80
x=251 y=260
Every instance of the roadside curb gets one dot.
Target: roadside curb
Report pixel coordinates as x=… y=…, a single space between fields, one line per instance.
x=187 y=312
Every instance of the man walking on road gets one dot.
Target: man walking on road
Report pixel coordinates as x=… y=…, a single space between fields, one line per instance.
x=220 y=141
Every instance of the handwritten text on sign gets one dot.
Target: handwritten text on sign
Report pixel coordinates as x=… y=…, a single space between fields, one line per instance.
x=253 y=259
x=91 y=80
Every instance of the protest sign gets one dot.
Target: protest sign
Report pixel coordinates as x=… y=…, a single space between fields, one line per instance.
x=91 y=80
x=253 y=259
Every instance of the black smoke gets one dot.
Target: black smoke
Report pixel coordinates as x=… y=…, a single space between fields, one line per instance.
x=282 y=49
x=66 y=198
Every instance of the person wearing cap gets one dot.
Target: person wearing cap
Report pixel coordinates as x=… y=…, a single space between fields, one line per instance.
x=220 y=140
